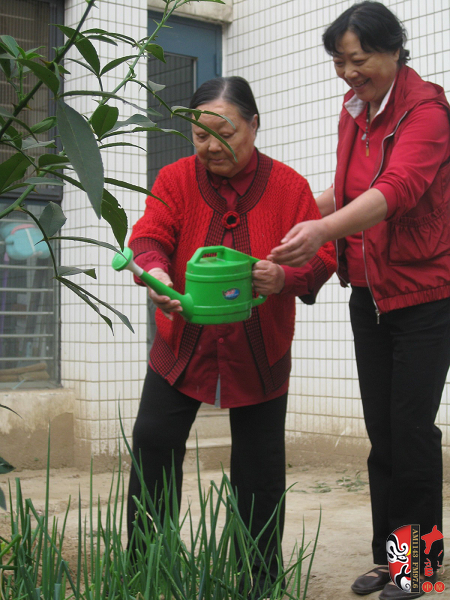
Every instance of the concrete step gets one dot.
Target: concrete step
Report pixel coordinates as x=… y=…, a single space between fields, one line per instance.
x=211 y=422
x=210 y=434
x=213 y=453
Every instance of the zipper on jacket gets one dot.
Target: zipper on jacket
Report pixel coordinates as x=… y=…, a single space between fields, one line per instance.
x=377 y=310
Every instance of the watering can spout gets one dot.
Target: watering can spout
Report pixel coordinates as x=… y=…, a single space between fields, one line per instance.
x=124 y=260
x=218 y=285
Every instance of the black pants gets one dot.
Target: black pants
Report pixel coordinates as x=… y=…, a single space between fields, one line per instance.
x=258 y=461
x=402 y=365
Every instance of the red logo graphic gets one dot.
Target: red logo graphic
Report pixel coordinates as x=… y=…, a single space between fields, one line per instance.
x=402 y=548
x=439 y=587
x=431 y=537
x=403 y=554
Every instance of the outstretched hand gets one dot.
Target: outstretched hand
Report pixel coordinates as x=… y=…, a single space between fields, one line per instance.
x=300 y=244
x=163 y=302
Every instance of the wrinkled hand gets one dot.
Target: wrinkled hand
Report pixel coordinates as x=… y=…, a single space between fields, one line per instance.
x=163 y=302
x=300 y=244
x=268 y=278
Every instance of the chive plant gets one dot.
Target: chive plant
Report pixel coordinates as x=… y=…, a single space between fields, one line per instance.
x=170 y=555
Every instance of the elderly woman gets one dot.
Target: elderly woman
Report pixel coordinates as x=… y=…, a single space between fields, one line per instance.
x=244 y=203
x=392 y=183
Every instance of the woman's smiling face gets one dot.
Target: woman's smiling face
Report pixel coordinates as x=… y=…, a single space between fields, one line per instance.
x=369 y=74
x=211 y=152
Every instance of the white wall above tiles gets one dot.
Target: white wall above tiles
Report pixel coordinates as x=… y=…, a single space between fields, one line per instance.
x=208 y=11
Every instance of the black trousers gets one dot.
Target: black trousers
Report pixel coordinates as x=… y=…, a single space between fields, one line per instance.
x=402 y=365
x=258 y=464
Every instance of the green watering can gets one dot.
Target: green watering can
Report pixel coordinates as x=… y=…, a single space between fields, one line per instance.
x=218 y=285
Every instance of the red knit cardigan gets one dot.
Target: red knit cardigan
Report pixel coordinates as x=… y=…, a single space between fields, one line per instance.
x=277 y=199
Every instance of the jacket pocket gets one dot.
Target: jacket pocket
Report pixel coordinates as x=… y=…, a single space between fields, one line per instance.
x=417 y=239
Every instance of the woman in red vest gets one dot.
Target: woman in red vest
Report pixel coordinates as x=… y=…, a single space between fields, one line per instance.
x=389 y=210
x=246 y=204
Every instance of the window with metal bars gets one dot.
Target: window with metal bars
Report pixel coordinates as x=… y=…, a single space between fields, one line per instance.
x=29 y=298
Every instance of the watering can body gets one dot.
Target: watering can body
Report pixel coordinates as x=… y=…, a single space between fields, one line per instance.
x=218 y=285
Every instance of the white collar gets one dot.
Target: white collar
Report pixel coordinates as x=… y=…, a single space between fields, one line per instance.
x=355 y=106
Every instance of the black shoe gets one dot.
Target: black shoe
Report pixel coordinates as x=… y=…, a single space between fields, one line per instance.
x=372 y=581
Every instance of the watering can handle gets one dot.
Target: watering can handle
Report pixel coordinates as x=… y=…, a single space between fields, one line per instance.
x=200 y=252
x=259 y=299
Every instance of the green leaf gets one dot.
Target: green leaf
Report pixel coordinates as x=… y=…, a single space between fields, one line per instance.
x=102 y=38
x=84 y=65
x=52 y=219
x=155 y=87
x=81 y=148
x=5 y=66
x=50 y=79
x=115 y=63
x=43 y=125
x=2 y=499
x=156 y=51
x=11 y=44
x=42 y=181
x=52 y=159
x=85 y=241
x=89 y=53
x=29 y=143
x=62 y=70
x=132 y=187
x=66 y=271
x=177 y=110
x=104 y=118
x=68 y=31
x=122 y=144
x=8 y=115
x=85 y=295
x=109 y=95
x=141 y=120
x=5 y=467
x=11 y=132
x=114 y=214
x=173 y=131
x=64 y=177
x=13 y=169
x=116 y=36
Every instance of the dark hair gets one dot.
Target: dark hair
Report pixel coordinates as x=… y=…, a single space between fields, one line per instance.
x=235 y=90
x=376 y=27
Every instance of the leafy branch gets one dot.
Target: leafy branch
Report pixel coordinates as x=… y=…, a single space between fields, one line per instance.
x=83 y=137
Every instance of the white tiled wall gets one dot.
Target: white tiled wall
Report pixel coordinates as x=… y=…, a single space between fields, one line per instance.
x=105 y=370
x=276 y=46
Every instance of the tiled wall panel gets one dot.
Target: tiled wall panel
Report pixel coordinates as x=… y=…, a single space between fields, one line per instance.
x=276 y=45
x=105 y=370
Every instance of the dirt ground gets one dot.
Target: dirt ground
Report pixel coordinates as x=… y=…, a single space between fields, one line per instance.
x=341 y=493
